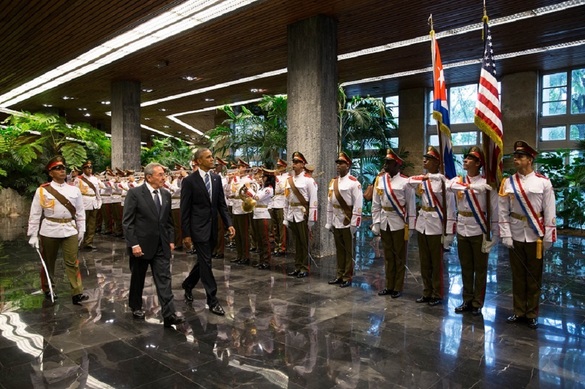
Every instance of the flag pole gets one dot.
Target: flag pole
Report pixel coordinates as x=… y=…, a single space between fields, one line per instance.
x=441 y=154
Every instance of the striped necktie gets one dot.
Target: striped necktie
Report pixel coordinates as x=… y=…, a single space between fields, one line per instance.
x=208 y=184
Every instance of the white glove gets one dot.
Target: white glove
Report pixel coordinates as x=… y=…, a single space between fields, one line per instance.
x=481 y=188
x=79 y=239
x=353 y=229
x=328 y=227
x=508 y=242
x=34 y=242
x=310 y=224
x=447 y=240
x=285 y=223
x=375 y=229
x=487 y=245
x=546 y=245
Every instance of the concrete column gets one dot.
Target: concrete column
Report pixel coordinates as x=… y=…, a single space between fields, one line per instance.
x=412 y=126
x=125 y=103
x=312 y=108
x=519 y=97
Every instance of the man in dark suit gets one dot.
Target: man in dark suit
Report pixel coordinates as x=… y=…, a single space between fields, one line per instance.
x=149 y=234
x=202 y=200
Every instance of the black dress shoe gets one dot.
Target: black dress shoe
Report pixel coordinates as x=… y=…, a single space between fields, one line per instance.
x=515 y=319
x=476 y=311
x=217 y=310
x=395 y=294
x=385 y=292
x=533 y=323
x=48 y=296
x=79 y=298
x=173 y=319
x=244 y=261
x=302 y=274
x=188 y=293
x=345 y=284
x=263 y=266
x=335 y=281
x=235 y=260
x=138 y=314
x=423 y=299
x=435 y=301
x=90 y=247
x=293 y=273
x=465 y=307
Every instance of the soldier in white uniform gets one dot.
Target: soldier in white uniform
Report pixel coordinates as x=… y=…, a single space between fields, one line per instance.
x=57 y=220
x=344 y=216
x=473 y=229
x=106 y=209
x=219 y=251
x=277 y=210
x=528 y=228
x=435 y=225
x=241 y=218
x=300 y=212
x=89 y=186
x=117 y=210
x=261 y=219
x=393 y=217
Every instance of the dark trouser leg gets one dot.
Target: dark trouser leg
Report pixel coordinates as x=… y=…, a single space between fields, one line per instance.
x=161 y=272
x=106 y=212
x=431 y=264
x=242 y=236
x=49 y=250
x=465 y=252
x=205 y=271
x=279 y=229
x=300 y=233
x=71 y=261
x=344 y=251
x=138 y=268
x=526 y=278
x=177 y=227
x=90 y=220
x=253 y=233
x=117 y=218
x=262 y=226
x=394 y=258
x=220 y=246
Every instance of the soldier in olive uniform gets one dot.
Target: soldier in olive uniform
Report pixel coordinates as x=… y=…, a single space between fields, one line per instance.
x=89 y=186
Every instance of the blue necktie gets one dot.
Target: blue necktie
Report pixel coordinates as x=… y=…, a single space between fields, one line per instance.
x=208 y=184
x=156 y=201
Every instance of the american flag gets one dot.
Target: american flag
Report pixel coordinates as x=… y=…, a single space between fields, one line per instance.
x=488 y=115
x=441 y=110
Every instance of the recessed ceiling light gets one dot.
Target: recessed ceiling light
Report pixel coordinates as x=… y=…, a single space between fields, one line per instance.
x=146 y=118
x=179 y=132
x=209 y=99
x=163 y=109
x=82 y=109
x=87 y=114
x=47 y=105
x=147 y=90
x=166 y=126
x=105 y=102
x=255 y=90
x=162 y=64
x=68 y=98
x=189 y=78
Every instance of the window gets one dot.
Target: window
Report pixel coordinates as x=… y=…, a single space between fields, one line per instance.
x=462 y=99
x=562 y=110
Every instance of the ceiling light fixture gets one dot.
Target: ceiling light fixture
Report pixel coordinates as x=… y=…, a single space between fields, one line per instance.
x=189 y=78
x=105 y=102
x=185 y=16
x=147 y=90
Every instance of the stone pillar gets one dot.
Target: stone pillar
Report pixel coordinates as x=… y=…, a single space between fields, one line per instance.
x=519 y=97
x=312 y=108
x=412 y=127
x=126 y=124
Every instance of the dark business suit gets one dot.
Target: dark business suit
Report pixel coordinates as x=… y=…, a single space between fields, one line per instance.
x=199 y=219
x=154 y=233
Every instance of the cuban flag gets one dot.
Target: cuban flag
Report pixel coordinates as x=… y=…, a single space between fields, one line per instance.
x=441 y=110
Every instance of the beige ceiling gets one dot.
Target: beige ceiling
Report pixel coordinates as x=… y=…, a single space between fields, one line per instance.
x=39 y=35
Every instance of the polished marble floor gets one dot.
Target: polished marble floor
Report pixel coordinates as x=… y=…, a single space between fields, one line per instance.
x=282 y=332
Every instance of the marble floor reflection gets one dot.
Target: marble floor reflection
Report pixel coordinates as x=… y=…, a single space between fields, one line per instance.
x=282 y=332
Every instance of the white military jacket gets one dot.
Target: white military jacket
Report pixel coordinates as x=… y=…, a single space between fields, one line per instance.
x=54 y=224
x=402 y=195
x=428 y=221
x=471 y=205
x=263 y=199
x=293 y=210
x=278 y=200
x=91 y=199
x=351 y=191
x=235 y=185
x=538 y=198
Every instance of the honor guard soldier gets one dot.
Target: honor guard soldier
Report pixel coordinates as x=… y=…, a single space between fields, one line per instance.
x=435 y=225
x=89 y=186
x=277 y=209
x=475 y=223
x=261 y=220
x=57 y=220
x=393 y=217
x=300 y=212
x=528 y=228
x=344 y=216
x=241 y=217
